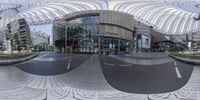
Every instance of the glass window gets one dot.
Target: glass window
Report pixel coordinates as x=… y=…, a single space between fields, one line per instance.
x=81 y=34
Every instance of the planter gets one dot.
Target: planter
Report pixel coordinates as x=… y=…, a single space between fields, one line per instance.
x=186 y=60
x=18 y=60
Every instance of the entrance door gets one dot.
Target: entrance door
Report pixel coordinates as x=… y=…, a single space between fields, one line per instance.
x=109 y=45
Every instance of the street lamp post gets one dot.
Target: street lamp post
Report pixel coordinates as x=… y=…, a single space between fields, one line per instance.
x=99 y=39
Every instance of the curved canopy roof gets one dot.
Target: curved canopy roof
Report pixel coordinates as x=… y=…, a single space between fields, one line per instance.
x=168 y=17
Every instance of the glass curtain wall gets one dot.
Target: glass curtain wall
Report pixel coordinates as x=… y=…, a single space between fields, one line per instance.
x=82 y=35
x=115 y=45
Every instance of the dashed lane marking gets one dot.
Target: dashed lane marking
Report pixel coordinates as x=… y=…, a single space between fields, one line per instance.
x=69 y=63
x=178 y=73
x=126 y=65
x=116 y=65
x=175 y=63
x=68 y=66
x=177 y=70
x=109 y=64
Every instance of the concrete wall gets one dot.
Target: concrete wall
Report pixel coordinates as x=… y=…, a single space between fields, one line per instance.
x=142 y=28
x=116 y=24
x=117 y=18
x=111 y=23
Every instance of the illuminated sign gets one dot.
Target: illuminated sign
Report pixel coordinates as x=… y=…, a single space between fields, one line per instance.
x=110 y=33
x=146 y=43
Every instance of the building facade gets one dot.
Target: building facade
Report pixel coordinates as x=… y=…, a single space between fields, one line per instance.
x=19 y=34
x=161 y=42
x=110 y=32
x=95 y=32
x=195 y=42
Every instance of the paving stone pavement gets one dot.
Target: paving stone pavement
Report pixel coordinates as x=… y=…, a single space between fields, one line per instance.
x=86 y=82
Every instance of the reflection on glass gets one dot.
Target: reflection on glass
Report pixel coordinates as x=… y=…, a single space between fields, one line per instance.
x=81 y=34
x=83 y=37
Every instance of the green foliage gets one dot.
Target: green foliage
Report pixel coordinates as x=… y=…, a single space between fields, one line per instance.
x=195 y=57
x=51 y=47
x=180 y=54
x=176 y=53
x=14 y=56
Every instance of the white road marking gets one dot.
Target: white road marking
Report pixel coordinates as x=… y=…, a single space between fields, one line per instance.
x=40 y=57
x=68 y=65
x=178 y=73
x=175 y=63
x=126 y=65
x=31 y=62
x=109 y=64
x=34 y=60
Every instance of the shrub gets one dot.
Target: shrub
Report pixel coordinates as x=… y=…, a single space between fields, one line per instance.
x=14 y=56
x=176 y=53
x=180 y=54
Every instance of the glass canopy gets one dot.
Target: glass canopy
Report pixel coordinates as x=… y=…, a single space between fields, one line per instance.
x=168 y=17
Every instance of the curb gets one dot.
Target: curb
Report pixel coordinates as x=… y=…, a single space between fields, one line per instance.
x=19 y=60
x=186 y=60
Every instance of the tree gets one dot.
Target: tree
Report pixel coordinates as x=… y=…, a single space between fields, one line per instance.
x=51 y=47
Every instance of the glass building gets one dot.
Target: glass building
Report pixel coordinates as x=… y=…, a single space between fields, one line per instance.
x=95 y=32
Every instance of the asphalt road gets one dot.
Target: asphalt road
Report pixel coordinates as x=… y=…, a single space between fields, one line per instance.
x=145 y=79
x=144 y=58
x=53 y=63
